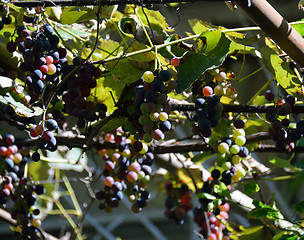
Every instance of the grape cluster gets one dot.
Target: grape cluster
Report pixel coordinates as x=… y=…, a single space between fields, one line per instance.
x=12 y=160
x=149 y=110
x=45 y=137
x=16 y=195
x=127 y=169
x=76 y=92
x=212 y=226
x=207 y=94
x=178 y=201
x=284 y=136
x=231 y=151
x=211 y=215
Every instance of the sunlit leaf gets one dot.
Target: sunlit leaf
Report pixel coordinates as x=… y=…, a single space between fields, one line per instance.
x=283 y=74
x=196 y=63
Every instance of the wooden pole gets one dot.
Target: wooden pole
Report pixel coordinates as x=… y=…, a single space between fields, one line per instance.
x=276 y=27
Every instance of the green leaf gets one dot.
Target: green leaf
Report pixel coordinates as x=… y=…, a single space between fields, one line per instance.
x=299 y=28
x=127 y=26
x=299 y=207
x=155 y=18
x=194 y=64
x=281 y=163
x=222 y=190
x=262 y=211
x=106 y=86
x=18 y=102
x=75 y=29
x=205 y=195
x=72 y=15
x=201 y=157
x=251 y=188
x=124 y=71
x=283 y=74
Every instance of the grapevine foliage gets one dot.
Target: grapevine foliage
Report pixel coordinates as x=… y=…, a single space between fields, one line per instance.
x=95 y=80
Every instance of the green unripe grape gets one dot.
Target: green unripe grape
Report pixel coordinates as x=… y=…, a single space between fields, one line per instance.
x=143 y=108
x=131 y=110
x=226 y=165
x=239 y=132
x=147 y=138
x=59 y=106
x=148 y=76
x=240 y=140
x=144 y=148
x=223 y=147
x=154 y=116
x=236 y=159
x=234 y=149
x=159 y=108
x=219 y=90
x=240 y=172
x=128 y=126
x=143 y=120
x=163 y=116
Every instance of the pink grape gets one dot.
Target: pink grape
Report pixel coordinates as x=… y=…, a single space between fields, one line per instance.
x=207 y=91
x=132 y=177
x=175 y=62
x=109 y=181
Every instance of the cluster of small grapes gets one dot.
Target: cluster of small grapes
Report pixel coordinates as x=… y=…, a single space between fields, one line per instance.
x=212 y=226
x=127 y=169
x=13 y=161
x=207 y=113
x=231 y=151
x=207 y=94
x=46 y=138
x=76 y=92
x=148 y=113
x=41 y=57
x=16 y=195
x=24 y=211
x=284 y=136
x=178 y=201
x=210 y=217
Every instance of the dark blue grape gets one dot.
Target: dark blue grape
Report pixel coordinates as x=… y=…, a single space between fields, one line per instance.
x=200 y=102
x=150 y=96
x=165 y=126
x=157 y=85
x=164 y=75
x=204 y=125
x=48 y=30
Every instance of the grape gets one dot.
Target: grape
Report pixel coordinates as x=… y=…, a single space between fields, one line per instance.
x=165 y=126
x=47 y=135
x=11 y=46
x=157 y=134
x=157 y=85
x=223 y=147
x=164 y=75
x=240 y=140
x=204 y=125
x=207 y=91
x=269 y=95
x=9 y=138
x=234 y=149
x=163 y=116
x=175 y=62
x=7 y=19
x=39 y=189
x=200 y=103
x=54 y=40
x=48 y=30
x=51 y=124
x=132 y=177
x=35 y=156
x=39 y=129
x=109 y=181
x=238 y=123
x=148 y=76
x=215 y=174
